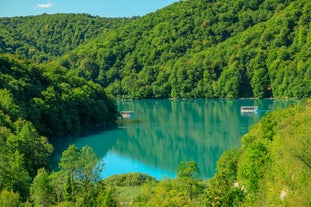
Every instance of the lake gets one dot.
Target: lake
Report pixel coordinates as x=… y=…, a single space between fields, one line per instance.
x=164 y=133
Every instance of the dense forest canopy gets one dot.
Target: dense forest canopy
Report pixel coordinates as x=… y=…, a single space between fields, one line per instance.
x=202 y=49
x=190 y=49
x=46 y=37
x=53 y=99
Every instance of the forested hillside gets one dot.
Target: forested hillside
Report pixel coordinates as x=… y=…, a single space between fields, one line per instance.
x=205 y=49
x=36 y=101
x=56 y=101
x=46 y=37
x=190 y=49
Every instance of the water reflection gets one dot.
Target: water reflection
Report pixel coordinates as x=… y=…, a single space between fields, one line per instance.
x=165 y=132
x=175 y=131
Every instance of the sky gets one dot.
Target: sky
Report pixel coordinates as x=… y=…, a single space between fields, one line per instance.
x=102 y=8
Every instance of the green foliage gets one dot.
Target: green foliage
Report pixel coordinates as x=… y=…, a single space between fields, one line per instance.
x=75 y=184
x=129 y=179
x=185 y=190
x=286 y=181
x=188 y=171
x=22 y=152
x=221 y=192
x=126 y=195
x=9 y=199
x=81 y=164
x=106 y=199
x=271 y=168
x=227 y=164
x=56 y=101
x=58 y=181
x=41 y=190
x=34 y=147
x=252 y=165
x=170 y=192
x=83 y=172
x=38 y=101
x=260 y=83
x=8 y=104
x=190 y=49
x=188 y=175
x=45 y=37
x=13 y=174
x=202 y=49
x=223 y=189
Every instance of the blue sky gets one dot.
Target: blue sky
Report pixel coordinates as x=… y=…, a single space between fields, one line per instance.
x=103 y=8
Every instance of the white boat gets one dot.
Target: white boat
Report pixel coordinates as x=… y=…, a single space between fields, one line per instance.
x=249 y=109
x=127 y=114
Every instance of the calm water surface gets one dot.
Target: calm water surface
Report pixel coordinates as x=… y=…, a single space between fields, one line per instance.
x=165 y=132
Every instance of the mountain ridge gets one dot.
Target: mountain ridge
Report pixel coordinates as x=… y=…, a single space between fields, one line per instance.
x=45 y=37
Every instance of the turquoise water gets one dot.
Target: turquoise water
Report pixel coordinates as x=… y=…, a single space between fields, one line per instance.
x=164 y=133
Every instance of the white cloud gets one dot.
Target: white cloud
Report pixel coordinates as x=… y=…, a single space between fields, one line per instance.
x=44 y=6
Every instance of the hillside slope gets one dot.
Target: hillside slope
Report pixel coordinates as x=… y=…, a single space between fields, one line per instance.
x=204 y=49
x=38 y=101
x=45 y=37
x=272 y=168
x=56 y=101
x=190 y=49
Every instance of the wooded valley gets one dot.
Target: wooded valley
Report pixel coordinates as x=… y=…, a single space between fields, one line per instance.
x=61 y=74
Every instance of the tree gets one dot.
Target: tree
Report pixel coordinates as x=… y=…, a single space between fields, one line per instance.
x=8 y=105
x=58 y=182
x=13 y=174
x=9 y=199
x=188 y=174
x=105 y=199
x=35 y=148
x=41 y=190
x=84 y=170
x=260 y=83
x=221 y=192
x=223 y=189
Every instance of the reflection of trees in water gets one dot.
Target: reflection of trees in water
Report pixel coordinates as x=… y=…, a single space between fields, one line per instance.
x=165 y=132
x=98 y=141
x=175 y=131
